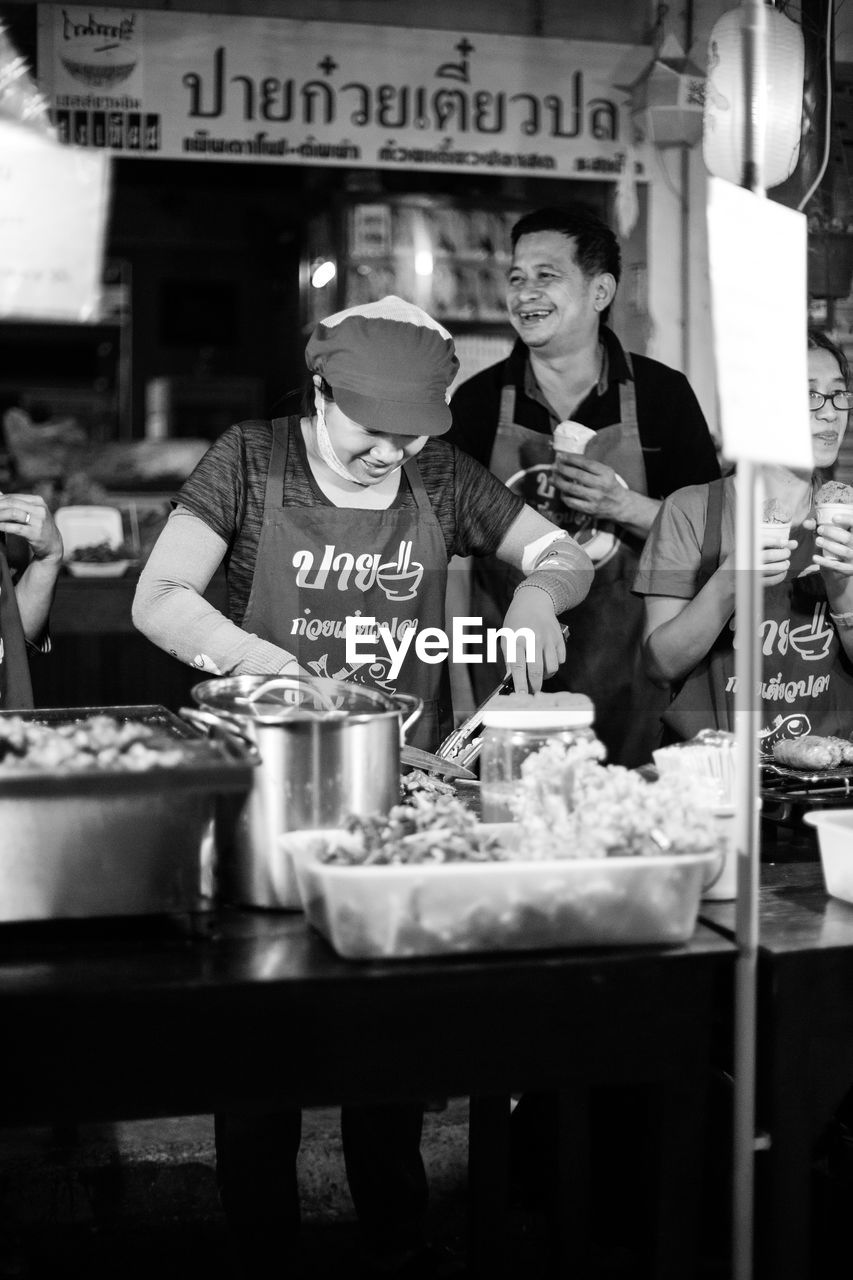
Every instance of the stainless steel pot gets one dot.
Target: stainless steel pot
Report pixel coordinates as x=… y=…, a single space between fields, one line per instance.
x=328 y=749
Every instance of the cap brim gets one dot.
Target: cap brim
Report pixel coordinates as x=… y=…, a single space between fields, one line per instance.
x=397 y=417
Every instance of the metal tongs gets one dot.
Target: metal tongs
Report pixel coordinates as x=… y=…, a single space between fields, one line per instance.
x=464 y=744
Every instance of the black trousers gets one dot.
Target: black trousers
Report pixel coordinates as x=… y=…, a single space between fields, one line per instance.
x=256 y=1172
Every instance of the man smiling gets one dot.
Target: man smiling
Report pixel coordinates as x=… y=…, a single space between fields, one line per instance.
x=650 y=438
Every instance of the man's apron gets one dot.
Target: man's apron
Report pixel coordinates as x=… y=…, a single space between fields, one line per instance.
x=318 y=565
x=16 y=691
x=603 y=652
x=806 y=686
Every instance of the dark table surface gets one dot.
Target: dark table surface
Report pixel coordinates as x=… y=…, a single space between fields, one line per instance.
x=240 y=1010
x=147 y=1017
x=805 y=1048
x=796 y=915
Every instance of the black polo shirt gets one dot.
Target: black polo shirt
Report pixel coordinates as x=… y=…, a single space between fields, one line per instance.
x=677 y=446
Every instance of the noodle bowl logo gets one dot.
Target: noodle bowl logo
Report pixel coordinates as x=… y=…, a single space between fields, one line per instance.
x=95 y=52
x=398 y=579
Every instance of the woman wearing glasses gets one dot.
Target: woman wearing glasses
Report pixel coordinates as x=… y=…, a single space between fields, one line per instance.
x=686 y=575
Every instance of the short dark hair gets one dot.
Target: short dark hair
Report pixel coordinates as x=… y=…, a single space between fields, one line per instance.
x=818 y=340
x=596 y=246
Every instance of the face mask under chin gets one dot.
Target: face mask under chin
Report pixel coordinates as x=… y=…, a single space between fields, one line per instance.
x=325 y=446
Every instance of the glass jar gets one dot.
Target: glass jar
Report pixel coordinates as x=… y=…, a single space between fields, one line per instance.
x=516 y=726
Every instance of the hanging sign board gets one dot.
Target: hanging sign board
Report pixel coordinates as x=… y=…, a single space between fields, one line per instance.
x=53 y=211
x=142 y=82
x=757 y=260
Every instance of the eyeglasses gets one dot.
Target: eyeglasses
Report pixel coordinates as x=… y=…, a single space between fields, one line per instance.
x=840 y=400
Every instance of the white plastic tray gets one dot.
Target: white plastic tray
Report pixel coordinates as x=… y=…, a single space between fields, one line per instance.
x=89 y=526
x=433 y=909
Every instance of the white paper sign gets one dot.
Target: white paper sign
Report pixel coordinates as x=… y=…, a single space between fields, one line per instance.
x=53 y=211
x=757 y=255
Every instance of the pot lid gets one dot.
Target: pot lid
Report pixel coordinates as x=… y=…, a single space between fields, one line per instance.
x=283 y=699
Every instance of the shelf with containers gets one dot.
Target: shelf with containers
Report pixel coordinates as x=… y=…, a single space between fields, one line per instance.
x=447 y=256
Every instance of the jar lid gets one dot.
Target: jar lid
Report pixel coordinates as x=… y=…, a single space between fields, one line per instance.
x=540 y=711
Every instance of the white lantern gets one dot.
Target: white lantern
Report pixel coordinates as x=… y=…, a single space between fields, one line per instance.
x=725 y=97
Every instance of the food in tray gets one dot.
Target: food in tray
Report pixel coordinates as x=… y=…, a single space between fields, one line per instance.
x=430 y=827
x=813 y=752
x=94 y=742
x=418 y=782
x=569 y=806
x=834 y=491
x=99 y=553
x=574 y=807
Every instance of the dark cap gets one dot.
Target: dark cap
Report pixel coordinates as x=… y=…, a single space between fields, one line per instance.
x=389 y=365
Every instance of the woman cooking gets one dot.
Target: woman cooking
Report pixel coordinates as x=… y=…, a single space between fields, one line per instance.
x=30 y=560
x=352 y=510
x=686 y=574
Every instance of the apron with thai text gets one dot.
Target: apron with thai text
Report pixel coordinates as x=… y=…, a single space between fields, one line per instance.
x=806 y=684
x=603 y=658
x=318 y=565
x=16 y=693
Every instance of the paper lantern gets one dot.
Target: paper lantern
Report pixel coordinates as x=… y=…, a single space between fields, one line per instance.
x=779 y=114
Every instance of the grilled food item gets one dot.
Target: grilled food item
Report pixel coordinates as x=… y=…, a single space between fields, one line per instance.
x=813 y=752
x=845 y=746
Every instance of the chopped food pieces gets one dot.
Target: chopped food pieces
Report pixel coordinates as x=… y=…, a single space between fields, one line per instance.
x=417 y=781
x=578 y=808
x=94 y=742
x=834 y=491
x=100 y=553
x=813 y=752
x=431 y=827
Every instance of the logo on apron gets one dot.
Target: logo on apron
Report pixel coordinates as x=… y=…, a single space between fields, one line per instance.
x=536 y=486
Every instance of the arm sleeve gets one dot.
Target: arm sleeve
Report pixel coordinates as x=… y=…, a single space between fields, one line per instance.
x=670 y=560
x=170 y=609
x=560 y=568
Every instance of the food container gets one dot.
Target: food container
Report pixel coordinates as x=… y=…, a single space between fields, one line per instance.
x=393 y=912
x=835 y=841
x=109 y=842
x=513 y=728
x=328 y=749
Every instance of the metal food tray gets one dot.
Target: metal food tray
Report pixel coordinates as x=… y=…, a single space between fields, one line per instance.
x=215 y=764
x=79 y=843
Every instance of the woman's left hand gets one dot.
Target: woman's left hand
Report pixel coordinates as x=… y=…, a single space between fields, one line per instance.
x=532 y=608
x=27 y=515
x=835 y=547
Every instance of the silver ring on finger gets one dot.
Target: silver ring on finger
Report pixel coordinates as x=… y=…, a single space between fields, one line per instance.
x=27 y=518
